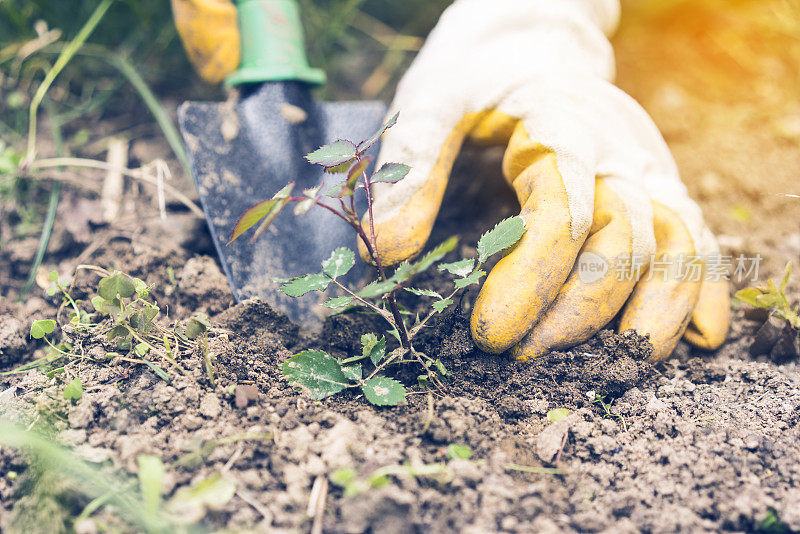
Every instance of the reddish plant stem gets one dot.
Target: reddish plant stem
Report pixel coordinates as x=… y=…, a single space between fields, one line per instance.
x=391 y=299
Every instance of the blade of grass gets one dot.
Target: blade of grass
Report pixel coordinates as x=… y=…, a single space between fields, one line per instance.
x=52 y=207
x=130 y=73
x=152 y=103
x=64 y=58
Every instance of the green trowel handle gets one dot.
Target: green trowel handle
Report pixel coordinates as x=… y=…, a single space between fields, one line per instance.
x=272 y=44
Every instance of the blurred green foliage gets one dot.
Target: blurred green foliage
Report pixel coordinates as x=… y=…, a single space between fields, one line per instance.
x=143 y=32
x=364 y=46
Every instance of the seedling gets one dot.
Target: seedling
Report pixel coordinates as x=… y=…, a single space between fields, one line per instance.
x=773 y=298
x=600 y=400
x=779 y=336
x=456 y=451
x=317 y=371
x=125 y=313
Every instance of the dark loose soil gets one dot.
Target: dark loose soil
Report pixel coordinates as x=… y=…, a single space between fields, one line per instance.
x=703 y=442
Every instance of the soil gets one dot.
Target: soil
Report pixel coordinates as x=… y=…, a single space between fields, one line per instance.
x=703 y=442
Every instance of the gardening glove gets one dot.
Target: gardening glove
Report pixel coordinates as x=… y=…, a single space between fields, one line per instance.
x=210 y=35
x=598 y=187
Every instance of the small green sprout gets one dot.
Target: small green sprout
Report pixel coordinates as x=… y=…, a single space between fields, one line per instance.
x=600 y=400
x=773 y=298
x=456 y=451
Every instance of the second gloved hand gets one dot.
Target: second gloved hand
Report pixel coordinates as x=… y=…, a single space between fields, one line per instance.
x=594 y=177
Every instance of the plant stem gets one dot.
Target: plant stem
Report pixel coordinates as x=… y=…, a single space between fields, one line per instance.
x=391 y=298
x=155 y=349
x=365 y=302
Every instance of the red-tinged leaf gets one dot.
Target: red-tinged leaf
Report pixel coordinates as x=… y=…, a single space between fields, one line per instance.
x=356 y=171
x=251 y=217
x=364 y=145
x=333 y=154
x=276 y=209
x=267 y=208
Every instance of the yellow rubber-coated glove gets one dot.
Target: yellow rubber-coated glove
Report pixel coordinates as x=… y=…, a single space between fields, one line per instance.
x=210 y=35
x=594 y=177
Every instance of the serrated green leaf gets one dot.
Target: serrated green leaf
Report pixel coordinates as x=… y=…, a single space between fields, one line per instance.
x=151 y=481
x=406 y=270
x=316 y=371
x=73 y=390
x=377 y=288
x=403 y=272
x=458 y=268
x=333 y=154
x=390 y=173
x=352 y=371
x=384 y=391
x=504 y=235
x=367 y=342
x=300 y=286
x=116 y=285
x=339 y=264
x=373 y=348
x=266 y=210
x=457 y=451
x=338 y=302
x=423 y=292
x=42 y=327
x=439 y=252
x=371 y=140
x=441 y=305
x=378 y=352
x=474 y=278
x=557 y=414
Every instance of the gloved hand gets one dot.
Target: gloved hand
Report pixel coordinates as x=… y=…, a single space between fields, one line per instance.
x=210 y=35
x=591 y=172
